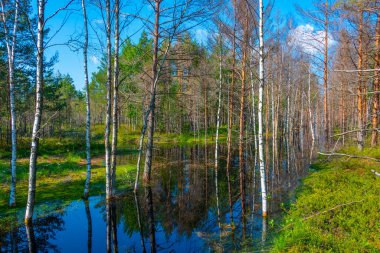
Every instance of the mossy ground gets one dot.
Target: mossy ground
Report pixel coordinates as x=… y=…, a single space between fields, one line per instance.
x=58 y=178
x=337 y=208
x=61 y=166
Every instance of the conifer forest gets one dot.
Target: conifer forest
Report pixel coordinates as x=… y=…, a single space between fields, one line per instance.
x=189 y=126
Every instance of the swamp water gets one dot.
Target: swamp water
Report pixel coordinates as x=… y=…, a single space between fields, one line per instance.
x=189 y=207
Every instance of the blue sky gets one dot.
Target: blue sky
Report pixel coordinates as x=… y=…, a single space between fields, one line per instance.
x=71 y=62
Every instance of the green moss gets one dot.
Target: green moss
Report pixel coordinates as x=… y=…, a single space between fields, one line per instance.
x=336 y=208
x=58 y=179
x=72 y=145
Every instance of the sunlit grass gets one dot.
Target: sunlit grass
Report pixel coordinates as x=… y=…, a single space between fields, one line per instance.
x=59 y=178
x=336 y=208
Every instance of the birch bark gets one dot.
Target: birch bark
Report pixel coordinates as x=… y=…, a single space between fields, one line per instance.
x=108 y=106
x=260 y=112
x=115 y=99
x=38 y=113
x=88 y=112
x=10 y=45
x=219 y=104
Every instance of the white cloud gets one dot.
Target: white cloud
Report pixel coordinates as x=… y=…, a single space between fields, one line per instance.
x=94 y=59
x=201 y=35
x=308 y=39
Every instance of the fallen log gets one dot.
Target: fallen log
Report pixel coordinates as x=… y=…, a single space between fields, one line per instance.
x=350 y=156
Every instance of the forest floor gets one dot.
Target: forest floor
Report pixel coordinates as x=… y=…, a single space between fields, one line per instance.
x=336 y=208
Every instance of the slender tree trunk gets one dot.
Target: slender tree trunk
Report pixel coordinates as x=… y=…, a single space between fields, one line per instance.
x=205 y=112
x=301 y=121
x=141 y=141
x=11 y=45
x=241 y=125
x=375 y=105
x=287 y=127
x=38 y=113
x=267 y=135
x=254 y=116
x=342 y=113
x=231 y=94
x=260 y=113
x=219 y=104
x=310 y=118
x=109 y=192
x=88 y=108
x=150 y=125
x=115 y=100
x=325 y=69
x=273 y=131
x=359 y=89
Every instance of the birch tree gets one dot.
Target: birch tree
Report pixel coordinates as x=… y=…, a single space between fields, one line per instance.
x=219 y=102
x=38 y=112
x=115 y=98
x=10 y=42
x=260 y=111
x=88 y=111
x=40 y=47
x=109 y=192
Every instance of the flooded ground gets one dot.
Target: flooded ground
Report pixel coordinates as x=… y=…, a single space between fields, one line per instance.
x=189 y=207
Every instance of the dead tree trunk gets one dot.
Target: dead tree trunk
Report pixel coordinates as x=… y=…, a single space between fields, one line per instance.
x=150 y=124
x=360 y=88
x=375 y=105
x=231 y=93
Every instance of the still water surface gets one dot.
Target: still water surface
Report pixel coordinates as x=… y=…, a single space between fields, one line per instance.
x=189 y=207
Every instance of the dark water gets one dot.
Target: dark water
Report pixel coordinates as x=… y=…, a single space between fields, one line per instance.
x=186 y=209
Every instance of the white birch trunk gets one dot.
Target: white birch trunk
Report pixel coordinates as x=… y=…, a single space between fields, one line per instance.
x=260 y=116
x=219 y=105
x=88 y=112
x=11 y=44
x=37 y=115
x=115 y=100
x=108 y=106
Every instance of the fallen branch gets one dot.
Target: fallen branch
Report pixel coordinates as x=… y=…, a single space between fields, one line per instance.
x=350 y=156
x=355 y=130
x=355 y=70
x=376 y=173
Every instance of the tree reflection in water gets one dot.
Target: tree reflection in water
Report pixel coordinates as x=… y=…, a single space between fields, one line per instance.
x=36 y=237
x=185 y=208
